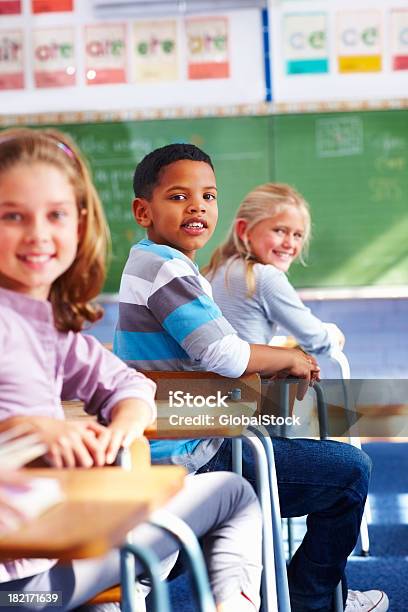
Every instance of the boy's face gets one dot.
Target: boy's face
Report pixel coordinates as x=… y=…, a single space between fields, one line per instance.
x=182 y=212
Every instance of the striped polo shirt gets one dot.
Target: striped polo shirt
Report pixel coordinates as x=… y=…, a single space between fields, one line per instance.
x=167 y=320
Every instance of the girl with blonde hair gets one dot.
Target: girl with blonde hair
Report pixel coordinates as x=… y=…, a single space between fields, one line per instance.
x=247 y=272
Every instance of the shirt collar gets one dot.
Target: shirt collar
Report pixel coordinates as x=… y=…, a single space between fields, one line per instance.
x=148 y=242
x=26 y=305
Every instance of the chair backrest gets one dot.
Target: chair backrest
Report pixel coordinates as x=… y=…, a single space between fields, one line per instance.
x=246 y=388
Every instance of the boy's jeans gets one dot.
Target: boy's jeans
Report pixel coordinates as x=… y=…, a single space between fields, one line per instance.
x=328 y=481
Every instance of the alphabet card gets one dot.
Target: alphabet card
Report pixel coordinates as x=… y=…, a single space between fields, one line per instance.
x=155 y=51
x=105 y=53
x=359 y=41
x=11 y=59
x=52 y=6
x=305 y=43
x=207 y=48
x=10 y=7
x=399 y=39
x=54 y=57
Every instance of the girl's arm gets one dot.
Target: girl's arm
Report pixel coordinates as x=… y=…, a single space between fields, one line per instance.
x=283 y=306
x=101 y=380
x=119 y=395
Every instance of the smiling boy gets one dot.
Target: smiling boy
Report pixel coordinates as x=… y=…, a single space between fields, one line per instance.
x=169 y=321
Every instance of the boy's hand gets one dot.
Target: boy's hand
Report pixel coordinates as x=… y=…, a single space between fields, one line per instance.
x=278 y=362
x=303 y=366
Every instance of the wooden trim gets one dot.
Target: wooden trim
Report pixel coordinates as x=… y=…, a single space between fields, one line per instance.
x=232 y=110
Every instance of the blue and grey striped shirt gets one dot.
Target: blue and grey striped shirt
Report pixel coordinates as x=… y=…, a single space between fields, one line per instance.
x=169 y=321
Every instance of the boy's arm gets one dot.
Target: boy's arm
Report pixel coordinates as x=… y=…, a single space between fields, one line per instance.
x=193 y=319
x=279 y=362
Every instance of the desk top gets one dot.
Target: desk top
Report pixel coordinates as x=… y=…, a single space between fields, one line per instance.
x=101 y=506
x=162 y=429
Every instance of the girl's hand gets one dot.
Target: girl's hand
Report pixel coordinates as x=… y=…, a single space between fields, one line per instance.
x=335 y=334
x=77 y=444
x=130 y=418
x=70 y=443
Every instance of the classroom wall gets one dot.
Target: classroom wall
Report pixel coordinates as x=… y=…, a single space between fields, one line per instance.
x=307 y=67
x=342 y=50
x=246 y=83
x=316 y=133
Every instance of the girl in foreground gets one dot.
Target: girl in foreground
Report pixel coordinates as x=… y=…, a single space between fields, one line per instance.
x=53 y=238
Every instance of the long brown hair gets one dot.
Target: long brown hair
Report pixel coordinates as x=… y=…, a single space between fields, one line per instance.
x=72 y=292
x=263 y=202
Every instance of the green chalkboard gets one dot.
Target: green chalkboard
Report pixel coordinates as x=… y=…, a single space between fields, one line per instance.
x=353 y=170
x=351 y=167
x=239 y=147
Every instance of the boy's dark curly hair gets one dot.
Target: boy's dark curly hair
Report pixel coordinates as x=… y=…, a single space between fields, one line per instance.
x=147 y=173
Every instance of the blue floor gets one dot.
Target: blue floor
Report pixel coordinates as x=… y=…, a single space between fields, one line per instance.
x=387 y=566
x=376 y=332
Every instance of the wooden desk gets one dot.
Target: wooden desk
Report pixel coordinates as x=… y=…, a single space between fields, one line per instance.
x=195 y=383
x=101 y=506
x=161 y=429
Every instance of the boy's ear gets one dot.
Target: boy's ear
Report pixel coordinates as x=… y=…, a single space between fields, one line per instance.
x=141 y=212
x=241 y=227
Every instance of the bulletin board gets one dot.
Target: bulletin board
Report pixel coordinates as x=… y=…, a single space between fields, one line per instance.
x=351 y=167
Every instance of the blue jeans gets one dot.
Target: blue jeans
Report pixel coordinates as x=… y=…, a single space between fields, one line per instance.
x=328 y=481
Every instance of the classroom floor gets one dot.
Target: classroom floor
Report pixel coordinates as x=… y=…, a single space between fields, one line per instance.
x=387 y=566
x=377 y=348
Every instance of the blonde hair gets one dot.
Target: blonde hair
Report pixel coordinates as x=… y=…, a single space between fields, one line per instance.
x=263 y=202
x=72 y=292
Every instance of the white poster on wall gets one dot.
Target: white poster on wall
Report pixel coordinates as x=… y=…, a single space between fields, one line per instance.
x=11 y=59
x=359 y=41
x=207 y=48
x=105 y=53
x=305 y=43
x=155 y=51
x=54 y=57
x=399 y=39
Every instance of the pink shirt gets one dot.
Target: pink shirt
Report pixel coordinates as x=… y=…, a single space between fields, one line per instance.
x=40 y=366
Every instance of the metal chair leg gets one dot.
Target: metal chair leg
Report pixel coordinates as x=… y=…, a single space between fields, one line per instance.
x=194 y=556
x=151 y=563
x=323 y=430
x=340 y=358
x=237 y=456
x=289 y=531
x=338 y=598
x=282 y=586
x=269 y=591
